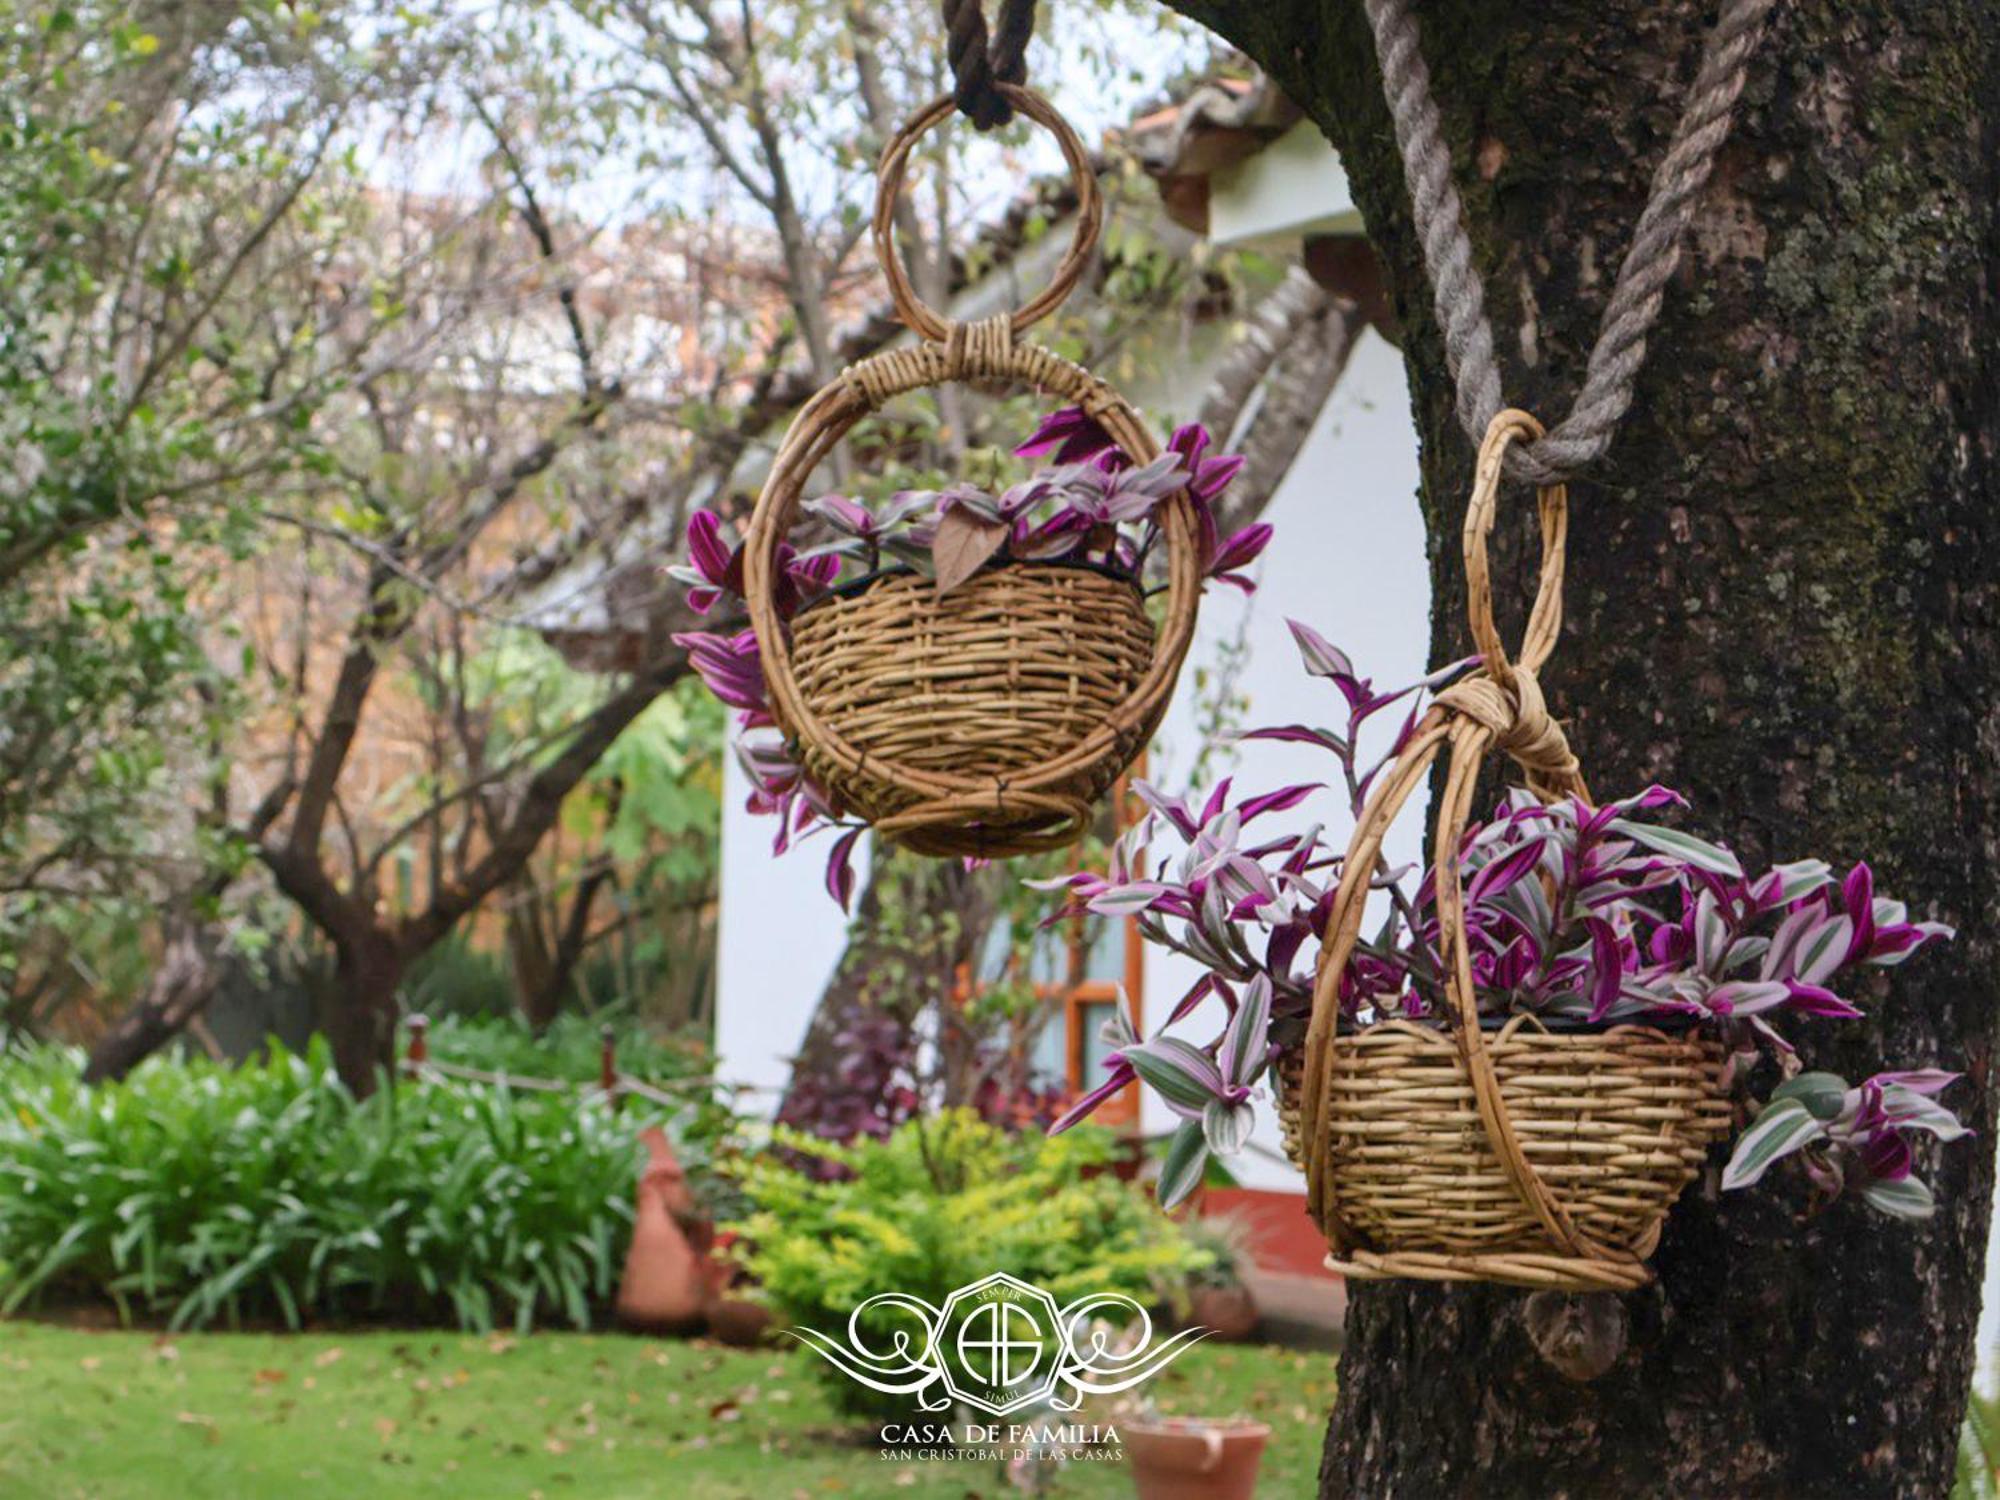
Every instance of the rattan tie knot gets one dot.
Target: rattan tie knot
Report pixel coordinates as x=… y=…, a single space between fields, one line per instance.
x=1517 y=716
x=981 y=344
x=1532 y=1157
x=988 y=720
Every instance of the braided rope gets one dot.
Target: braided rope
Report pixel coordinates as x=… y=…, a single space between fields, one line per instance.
x=1615 y=359
x=978 y=65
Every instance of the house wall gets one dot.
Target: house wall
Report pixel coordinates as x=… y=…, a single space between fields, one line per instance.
x=778 y=937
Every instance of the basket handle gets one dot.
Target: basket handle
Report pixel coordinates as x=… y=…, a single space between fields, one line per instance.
x=912 y=309
x=1500 y=707
x=1552 y=501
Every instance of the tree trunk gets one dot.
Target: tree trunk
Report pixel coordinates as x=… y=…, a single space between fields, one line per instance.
x=544 y=965
x=1781 y=601
x=179 y=990
x=360 y=1020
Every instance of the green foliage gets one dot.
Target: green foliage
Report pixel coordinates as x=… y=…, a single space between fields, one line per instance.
x=569 y=1049
x=200 y=1193
x=1223 y=1242
x=654 y=797
x=456 y=980
x=162 y=196
x=941 y=1203
x=1979 y=1450
x=705 y=1127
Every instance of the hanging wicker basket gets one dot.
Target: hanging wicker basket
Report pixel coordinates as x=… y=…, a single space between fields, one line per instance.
x=988 y=720
x=1524 y=1155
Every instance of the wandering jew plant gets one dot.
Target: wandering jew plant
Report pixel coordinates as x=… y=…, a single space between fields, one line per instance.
x=1580 y=915
x=1090 y=505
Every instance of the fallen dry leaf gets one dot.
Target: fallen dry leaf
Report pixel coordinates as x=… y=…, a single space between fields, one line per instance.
x=964 y=542
x=269 y=1377
x=328 y=1357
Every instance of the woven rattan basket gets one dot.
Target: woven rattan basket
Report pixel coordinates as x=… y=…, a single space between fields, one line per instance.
x=986 y=681
x=988 y=720
x=1525 y=1155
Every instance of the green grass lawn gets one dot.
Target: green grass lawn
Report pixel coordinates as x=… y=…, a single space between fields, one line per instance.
x=139 y=1416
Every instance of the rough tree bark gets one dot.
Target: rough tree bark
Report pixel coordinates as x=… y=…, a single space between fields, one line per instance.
x=1782 y=601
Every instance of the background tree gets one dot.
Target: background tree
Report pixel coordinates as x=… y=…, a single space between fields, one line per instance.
x=164 y=177
x=1781 y=600
x=507 y=350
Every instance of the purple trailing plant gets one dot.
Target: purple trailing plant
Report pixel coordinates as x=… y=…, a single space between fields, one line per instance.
x=1577 y=914
x=1093 y=505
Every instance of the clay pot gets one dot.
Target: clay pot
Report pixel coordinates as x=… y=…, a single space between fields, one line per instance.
x=1190 y=1458
x=1229 y=1313
x=738 y=1321
x=667 y=1281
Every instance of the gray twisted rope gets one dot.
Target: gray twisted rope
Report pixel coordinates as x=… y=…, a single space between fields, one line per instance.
x=977 y=65
x=1584 y=435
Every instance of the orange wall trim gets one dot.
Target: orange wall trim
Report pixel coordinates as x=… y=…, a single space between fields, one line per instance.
x=1283 y=1238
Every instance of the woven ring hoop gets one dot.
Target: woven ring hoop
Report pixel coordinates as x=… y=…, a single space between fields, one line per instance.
x=1620 y=1118
x=912 y=309
x=912 y=794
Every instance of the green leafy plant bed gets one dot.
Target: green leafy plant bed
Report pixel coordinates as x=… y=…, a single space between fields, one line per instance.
x=131 y=1416
x=571 y=1048
x=194 y=1193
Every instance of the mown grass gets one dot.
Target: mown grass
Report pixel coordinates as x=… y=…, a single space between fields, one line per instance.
x=137 y=1416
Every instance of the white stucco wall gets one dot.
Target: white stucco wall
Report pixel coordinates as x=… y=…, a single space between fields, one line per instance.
x=1295 y=186
x=777 y=941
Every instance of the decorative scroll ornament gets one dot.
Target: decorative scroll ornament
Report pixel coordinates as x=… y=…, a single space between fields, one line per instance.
x=999 y=1345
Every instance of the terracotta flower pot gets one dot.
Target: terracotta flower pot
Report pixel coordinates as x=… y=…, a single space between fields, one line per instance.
x=666 y=1281
x=1189 y=1458
x=1229 y=1313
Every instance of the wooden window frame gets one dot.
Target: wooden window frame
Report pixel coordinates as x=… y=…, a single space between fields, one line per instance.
x=1083 y=996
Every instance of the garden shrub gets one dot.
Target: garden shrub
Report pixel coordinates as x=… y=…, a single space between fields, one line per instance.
x=941 y=1203
x=198 y=1192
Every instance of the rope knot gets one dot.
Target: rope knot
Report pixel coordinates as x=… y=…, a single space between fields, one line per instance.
x=1518 y=717
x=980 y=64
